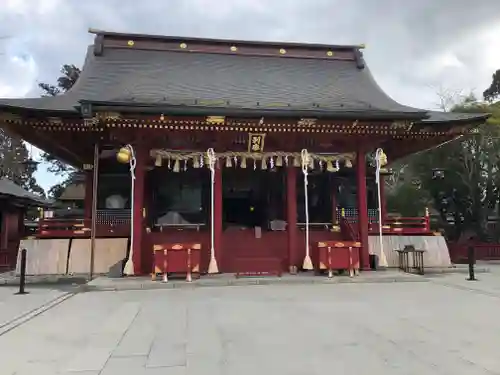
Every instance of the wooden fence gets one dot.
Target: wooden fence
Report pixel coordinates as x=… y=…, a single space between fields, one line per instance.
x=482 y=251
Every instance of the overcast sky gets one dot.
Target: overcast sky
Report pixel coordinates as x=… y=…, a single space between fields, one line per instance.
x=413 y=48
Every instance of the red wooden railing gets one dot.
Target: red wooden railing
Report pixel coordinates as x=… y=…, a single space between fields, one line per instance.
x=79 y=228
x=63 y=228
x=391 y=225
x=402 y=225
x=5 y=259
x=482 y=251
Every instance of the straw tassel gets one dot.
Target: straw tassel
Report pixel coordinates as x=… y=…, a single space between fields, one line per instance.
x=243 y=162
x=176 y=166
x=196 y=163
x=228 y=162
x=348 y=163
x=296 y=162
x=264 y=163
x=158 y=161
x=279 y=161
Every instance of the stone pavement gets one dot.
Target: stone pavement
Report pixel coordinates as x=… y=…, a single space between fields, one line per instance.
x=434 y=327
x=14 y=309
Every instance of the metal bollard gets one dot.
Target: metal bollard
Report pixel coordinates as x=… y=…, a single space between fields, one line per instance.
x=22 y=280
x=471 y=261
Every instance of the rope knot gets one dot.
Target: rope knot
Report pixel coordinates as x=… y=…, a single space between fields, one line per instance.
x=133 y=160
x=305 y=160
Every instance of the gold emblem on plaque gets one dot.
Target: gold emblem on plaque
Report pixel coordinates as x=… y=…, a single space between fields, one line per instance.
x=256 y=142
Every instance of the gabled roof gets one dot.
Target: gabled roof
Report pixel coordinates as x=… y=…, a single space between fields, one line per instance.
x=74 y=191
x=184 y=76
x=158 y=73
x=9 y=189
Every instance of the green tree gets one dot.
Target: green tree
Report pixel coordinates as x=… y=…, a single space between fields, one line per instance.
x=13 y=157
x=469 y=191
x=69 y=76
x=493 y=92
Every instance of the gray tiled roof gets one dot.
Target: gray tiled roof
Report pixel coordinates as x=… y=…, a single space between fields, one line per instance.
x=10 y=189
x=210 y=83
x=254 y=83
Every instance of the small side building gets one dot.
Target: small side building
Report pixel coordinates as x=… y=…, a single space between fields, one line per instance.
x=14 y=202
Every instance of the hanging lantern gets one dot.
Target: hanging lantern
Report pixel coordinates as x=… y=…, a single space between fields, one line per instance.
x=437 y=173
x=30 y=162
x=158 y=161
x=124 y=155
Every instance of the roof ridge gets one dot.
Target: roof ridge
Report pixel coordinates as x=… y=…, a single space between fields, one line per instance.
x=114 y=34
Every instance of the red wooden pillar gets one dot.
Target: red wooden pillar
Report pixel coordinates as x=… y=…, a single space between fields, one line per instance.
x=291 y=216
x=87 y=203
x=4 y=230
x=137 y=209
x=333 y=192
x=218 y=218
x=362 y=208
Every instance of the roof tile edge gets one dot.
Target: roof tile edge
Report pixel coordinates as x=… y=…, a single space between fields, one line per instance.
x=138 y=36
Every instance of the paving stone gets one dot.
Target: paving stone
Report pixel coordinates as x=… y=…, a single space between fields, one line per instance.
x=441 y=326
x=124 y=365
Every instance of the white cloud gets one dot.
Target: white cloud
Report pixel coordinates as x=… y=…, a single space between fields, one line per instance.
x=21 y=77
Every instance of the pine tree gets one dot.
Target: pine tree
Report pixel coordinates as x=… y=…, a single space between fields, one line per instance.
x=69 y=76
x=13 y=157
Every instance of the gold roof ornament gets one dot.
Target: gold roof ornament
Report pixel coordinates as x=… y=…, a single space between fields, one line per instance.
x=306 y=122
x=183 y=45
x=234 y=48
x=329 y=53
x=216 y=120
x=130 y=43
x=282 y=51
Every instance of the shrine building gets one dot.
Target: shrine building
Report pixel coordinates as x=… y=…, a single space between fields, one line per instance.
x=256 y=151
